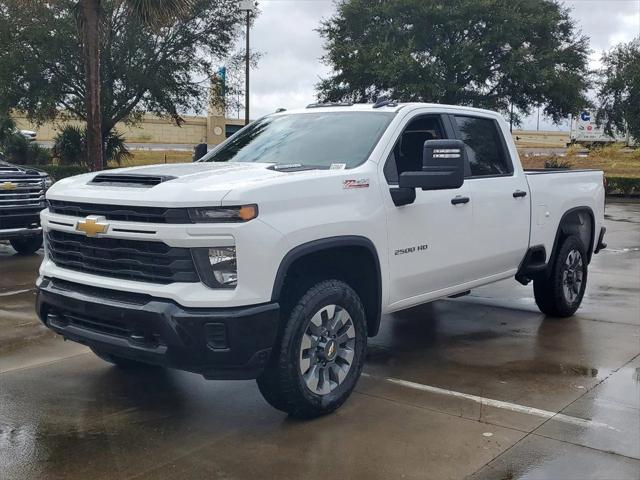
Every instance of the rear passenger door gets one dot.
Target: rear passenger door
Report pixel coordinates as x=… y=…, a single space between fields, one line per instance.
x=499 y=197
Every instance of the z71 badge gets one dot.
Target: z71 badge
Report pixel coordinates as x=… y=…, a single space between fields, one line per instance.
x=359 y=183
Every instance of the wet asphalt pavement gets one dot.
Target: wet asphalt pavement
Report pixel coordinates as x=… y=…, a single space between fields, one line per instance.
x=482 y=386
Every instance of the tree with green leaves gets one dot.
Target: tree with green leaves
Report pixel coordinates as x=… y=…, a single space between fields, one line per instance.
x=619 y=90
x=154 y=56
x=506 y=55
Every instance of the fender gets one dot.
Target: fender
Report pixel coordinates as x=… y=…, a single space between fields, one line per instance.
x=556 y=242
x=326 y=244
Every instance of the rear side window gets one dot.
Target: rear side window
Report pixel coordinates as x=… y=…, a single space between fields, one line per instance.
x=485 y=149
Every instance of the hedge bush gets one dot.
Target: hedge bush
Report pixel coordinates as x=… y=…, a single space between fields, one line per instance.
x=58 y=172
x=555 y=162
x=69 y=146
x=623 y=185
x=17 y=149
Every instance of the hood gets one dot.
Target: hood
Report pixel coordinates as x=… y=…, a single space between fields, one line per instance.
x=180 y=184
x=9 y=169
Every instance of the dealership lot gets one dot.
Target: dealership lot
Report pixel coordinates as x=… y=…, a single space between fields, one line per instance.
x=482 y=386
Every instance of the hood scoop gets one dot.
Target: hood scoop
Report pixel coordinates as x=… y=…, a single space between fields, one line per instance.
x=129 y=180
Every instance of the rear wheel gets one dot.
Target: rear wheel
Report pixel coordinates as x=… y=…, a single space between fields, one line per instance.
x=320 y=354
x=560 y=295
x=26 y=246
x=121 y=362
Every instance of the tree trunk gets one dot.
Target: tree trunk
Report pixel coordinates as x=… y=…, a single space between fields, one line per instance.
x=91 y=37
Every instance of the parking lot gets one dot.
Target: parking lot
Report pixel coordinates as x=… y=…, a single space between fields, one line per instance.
x=482 y=386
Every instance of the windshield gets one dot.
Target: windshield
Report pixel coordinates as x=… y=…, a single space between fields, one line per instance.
x=311 y=139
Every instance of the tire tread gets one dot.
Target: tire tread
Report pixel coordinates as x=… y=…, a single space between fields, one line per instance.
x=548 y=291
x=279 y=383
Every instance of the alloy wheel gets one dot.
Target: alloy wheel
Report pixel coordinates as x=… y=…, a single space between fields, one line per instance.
x=327 y=349
x=572 y=276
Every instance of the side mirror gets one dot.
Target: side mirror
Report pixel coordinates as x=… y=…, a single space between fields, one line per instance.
x=442 y=167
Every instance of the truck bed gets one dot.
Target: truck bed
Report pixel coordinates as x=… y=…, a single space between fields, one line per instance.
x=556 y=192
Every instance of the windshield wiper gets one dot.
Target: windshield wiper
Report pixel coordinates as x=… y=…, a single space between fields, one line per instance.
x=295 y=167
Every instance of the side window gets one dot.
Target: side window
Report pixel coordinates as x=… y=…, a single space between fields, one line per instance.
x=485 y=149
x=406 y=155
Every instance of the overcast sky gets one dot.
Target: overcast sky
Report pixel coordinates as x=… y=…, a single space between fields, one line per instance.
x=290 y=66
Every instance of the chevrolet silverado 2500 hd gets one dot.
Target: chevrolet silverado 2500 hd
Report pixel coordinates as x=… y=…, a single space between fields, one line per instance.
x=22 y=191
x=275 y=256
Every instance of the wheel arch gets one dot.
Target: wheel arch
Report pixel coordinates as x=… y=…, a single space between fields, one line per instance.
x=570 y=224
x=350 y=256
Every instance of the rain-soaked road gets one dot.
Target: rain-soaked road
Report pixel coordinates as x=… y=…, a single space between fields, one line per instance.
x=483 y=386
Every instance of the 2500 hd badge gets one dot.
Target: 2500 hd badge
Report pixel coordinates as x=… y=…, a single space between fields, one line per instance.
x=402 y=251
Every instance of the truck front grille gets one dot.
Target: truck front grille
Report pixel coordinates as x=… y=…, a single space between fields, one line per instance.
x=121 y=213
x=143 y=261
x=21 y=191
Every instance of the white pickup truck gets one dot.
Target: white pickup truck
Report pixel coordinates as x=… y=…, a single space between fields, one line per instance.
x=277 y=254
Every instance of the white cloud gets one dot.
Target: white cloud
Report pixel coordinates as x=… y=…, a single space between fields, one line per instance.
x=285 y=33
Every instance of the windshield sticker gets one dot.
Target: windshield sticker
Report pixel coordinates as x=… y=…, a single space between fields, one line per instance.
x=359 y=183
x=338 y=166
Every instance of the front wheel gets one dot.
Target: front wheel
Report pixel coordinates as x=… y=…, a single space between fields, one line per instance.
x=560 y=295
x=26 y=246
x=320 y=354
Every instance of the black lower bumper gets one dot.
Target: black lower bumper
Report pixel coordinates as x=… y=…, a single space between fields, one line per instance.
x=11 y=233
x=229 y=343
x=20 y=222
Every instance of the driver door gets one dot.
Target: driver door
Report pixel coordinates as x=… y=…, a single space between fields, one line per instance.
x=429 y=239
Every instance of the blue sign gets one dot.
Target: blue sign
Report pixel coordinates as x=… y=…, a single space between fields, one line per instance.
x=585 y=116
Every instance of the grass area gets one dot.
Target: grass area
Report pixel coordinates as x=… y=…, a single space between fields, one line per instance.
x=151 y=157
x=614 y=160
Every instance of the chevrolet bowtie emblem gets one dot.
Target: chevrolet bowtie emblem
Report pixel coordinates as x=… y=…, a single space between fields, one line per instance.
x=8 y=186
x=92 y=226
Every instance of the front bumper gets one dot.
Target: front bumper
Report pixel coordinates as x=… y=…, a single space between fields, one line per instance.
x=10 y=233
x=20 y=222
x=218 y=343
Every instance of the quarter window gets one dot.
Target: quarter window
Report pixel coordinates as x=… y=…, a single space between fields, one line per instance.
x=485 y=150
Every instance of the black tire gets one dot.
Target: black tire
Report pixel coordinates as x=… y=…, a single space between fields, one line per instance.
x=121 y=362
x=282 y=383
x=26 y=246
x=550 y=293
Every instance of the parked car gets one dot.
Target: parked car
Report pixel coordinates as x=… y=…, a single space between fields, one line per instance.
x=28 y=134
x=22 y=197
x=275 y=256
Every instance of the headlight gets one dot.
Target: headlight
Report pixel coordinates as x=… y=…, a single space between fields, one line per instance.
x=217 y=266
x=240 y=213
x=47 y=182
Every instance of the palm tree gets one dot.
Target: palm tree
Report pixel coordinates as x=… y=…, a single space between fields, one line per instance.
x=154 y=13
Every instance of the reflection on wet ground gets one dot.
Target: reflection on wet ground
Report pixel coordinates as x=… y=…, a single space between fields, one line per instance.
x=482 y=386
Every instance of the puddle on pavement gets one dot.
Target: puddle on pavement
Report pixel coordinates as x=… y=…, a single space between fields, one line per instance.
x=379 y=356
x=621 y=250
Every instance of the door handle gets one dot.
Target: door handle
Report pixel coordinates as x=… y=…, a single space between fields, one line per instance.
x=459 y=199
x=519 y=193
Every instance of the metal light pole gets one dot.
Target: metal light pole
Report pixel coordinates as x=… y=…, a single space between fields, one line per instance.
x=247 y=6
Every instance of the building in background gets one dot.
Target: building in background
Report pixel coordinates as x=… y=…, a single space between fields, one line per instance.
x=211 y=129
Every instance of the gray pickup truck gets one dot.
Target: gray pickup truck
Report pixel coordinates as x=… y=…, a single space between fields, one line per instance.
x=22 y=192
